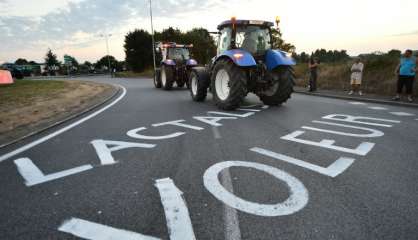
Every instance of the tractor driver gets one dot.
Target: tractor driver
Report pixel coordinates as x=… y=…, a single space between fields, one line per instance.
x=250 y=42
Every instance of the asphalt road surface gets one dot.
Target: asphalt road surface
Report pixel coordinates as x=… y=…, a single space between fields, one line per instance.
x=314 y=168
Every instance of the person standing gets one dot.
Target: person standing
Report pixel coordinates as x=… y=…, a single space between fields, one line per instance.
x=356 y=76
x=313 y=68
x=406 y=72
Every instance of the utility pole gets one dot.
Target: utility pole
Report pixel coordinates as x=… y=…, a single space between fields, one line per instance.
x=106 y=36
x=152 y=35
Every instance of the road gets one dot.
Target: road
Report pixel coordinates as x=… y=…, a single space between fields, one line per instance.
x=314 y=168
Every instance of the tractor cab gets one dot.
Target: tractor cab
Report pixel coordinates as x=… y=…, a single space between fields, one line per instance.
x=252 y=36
x=174 y=52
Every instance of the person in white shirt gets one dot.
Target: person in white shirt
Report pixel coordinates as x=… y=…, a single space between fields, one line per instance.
x=356 y=76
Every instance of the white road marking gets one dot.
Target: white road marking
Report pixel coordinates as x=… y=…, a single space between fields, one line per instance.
x=249 y=110
x=104 y=151
x=33 y=175
x=378 y=108
x=58 y=132
x=361 y=149
x=94 y=231
x=216 y=133
x=265 y=106
x=298 y=195
x=178 y=123
x=175 y=209
x=357 y=103
x=333 y=170
x=373 y=132
x=402 y=114
x=233 y=114
x=230 y=215
x=134 y=134
x=354 y=119
x=212 y=120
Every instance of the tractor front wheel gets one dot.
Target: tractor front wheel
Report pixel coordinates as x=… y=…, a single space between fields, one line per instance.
x=199 y=82
x=167 y=77
x=228 y=85
x=282 y=87
x=157 y=78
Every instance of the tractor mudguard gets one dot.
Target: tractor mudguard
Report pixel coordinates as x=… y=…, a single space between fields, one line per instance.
x=191 y=62
x=275 y=58
x=239 y=57
x=169 y=62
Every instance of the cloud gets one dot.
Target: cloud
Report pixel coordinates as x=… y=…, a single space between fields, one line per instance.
x=86 y=18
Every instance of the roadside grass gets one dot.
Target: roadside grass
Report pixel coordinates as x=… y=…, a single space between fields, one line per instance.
x=23 y=91
x=149 y=73
x=378 y=77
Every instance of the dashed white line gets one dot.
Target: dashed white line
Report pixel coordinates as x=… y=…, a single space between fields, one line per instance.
x=357 y=103
x=378 y=108
x=402 y=114
x=64 y=129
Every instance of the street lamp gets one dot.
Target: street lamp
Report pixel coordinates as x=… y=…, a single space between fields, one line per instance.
x=106 y=36
x=152 y=35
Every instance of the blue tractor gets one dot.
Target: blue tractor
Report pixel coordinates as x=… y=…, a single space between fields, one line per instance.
x=245 y=62
x=175 y=65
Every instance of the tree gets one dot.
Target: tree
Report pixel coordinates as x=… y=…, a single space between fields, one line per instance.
x=103 y=63
x=51 y=62
x=204 y=47
x=138 y=50
x=74 y=61
x=21 y=61
x=279 y=43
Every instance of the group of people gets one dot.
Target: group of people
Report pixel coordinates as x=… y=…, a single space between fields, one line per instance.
x=406 y=72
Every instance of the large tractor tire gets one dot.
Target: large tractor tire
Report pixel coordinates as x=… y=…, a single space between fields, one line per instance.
x=281 y=91
x=228 y=84
x=157 y=78
x=199 y=82
x=167 y=77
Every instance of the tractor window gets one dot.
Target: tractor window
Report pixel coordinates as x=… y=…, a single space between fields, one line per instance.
x=253 y=39
x=224 y=40
x=178 y=53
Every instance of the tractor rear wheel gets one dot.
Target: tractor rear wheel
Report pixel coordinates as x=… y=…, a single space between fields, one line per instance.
x=282 y=88
x=199 y=82
x=167 y=78
x=157 y=78
x=228 y=85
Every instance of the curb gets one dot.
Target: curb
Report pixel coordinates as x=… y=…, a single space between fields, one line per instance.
x=403 y=104
x=69 y=118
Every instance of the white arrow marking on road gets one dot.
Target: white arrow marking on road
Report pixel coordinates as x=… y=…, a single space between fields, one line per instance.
x=105 y=152
x=361 y=149
x=94 y=231
x=64 y=129
x=373 y=132
x=333 y=170
x=175 y=209
x=33 y=175
x=297 y=199
x=402 y=114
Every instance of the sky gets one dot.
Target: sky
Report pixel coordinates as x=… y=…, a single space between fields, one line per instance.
x=29 y=27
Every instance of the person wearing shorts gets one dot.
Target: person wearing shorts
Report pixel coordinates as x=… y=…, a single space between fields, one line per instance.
x=356 y=77
x=406 y=71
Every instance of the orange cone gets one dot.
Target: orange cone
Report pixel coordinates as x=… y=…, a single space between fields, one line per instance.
x=5 y=77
